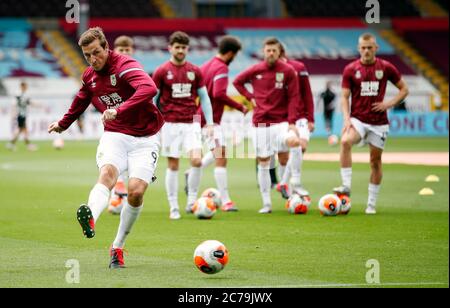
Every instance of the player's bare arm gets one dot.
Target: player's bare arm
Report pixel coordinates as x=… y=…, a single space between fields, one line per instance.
x=345 y=103
x=403 y=93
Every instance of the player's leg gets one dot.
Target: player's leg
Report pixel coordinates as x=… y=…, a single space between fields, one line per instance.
x=192 y=143
x=297 y=152
x=264 y=139
x=171 y=140
x=172 y=187
x=284 y=163
x=111 y=161
x=288 y=142
x=349 y=138
x=142 y=162
x=221 y=176
x=376 y=138
x=375 y=178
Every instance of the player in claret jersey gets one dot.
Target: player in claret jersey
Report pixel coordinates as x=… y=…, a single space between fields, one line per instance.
x=119 y=88
x=366 y=121
x=305 y=126
x=180 y=83
x=275 y=97
x=215 y=73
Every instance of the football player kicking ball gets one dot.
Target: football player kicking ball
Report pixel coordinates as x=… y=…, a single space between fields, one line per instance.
x=180 y=83
x=119 y=88
x=291 y=173
x=366 y=121
x=275 y=97
x=123 y=45
x=215 y=73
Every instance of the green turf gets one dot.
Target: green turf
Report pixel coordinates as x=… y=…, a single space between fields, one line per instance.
x=38 y=231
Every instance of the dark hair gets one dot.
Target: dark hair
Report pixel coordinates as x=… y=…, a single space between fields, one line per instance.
x=272 y=41
x=229 y=43
x=91 y=35
x=180 y=38
x=123 y=41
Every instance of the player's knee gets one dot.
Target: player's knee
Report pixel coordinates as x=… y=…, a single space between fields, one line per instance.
x=135 y=196
x=293 y=142
x=346 y=143
x=196 y=162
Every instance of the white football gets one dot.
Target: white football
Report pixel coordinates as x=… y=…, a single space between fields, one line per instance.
x=211 y=257
x=330 y=205
x=204 y=208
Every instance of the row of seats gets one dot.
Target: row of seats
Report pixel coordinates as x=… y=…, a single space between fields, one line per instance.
x=98 y=8
x=347 y=8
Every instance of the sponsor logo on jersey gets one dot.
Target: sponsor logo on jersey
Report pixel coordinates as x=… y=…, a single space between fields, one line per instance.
x=370 y=88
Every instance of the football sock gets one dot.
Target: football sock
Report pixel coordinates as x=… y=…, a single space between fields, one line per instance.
x=193 y=184
x=128 y=217
x=281 y=171
x=265 y=184
x=374 y=191
x=296 y=158
x=346 y=174
x=172 y=188
x=98 y=200
x=208 y=159
x=222 y=183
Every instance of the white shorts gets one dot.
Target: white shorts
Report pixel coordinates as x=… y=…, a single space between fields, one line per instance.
x=375 y=135
x=217 y=141
x=303 y=129
x=179 y=137
x=271 y=140
x=138 y=155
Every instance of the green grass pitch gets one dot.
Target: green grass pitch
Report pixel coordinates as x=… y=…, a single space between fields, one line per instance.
x=41 y=191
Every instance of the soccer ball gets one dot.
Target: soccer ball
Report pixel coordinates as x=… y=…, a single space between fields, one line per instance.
x=204 y=208
x=298 y=204
x=211 y=257
x=346 y=205
x=333 y=140
x=329 y=205
x=116 y=204
x=213 y=194
x=58 y=143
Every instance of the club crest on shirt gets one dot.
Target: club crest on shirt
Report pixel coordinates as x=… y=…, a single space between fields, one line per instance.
x=169 y=75
x=379 y=74
x=280 y=77
x=191 y=76
x=113 y=80
x=358 y=74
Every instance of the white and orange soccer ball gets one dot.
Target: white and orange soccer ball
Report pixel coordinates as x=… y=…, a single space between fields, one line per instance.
x=298 y=204
x=346 y=205
x=204 y=208
x=116 y=204
x=211 y=257
x=333 y=140
x=58 y=143
x=214 y=194
x=330 y=205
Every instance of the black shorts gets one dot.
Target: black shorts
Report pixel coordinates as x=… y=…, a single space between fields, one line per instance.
x=22 y=122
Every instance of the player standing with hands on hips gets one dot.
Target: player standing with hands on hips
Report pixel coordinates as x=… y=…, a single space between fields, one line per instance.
x=366 y=121
x=119 y=88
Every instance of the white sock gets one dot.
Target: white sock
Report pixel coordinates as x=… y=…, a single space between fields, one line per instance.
x=172 y=188
x=128 y=217
x=374 y=191
x=281 y=171
x=98 y=200
x=287 y=173
x=208 y=159
x=265 y=184
x=346 y=174
x=296 y=159
x=194 y=184
x=221 y=176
